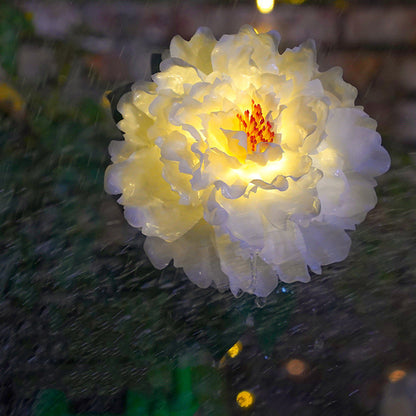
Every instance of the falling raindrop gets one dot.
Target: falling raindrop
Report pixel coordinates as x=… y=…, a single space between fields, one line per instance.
x=282 y=289
x=253 y=267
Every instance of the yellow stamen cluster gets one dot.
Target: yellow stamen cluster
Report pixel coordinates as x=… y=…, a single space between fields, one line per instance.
x=258 y=130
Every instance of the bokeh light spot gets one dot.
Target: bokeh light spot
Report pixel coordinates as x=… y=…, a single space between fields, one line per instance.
x=265 y=6
x=245 y=399
x=235 y=349
x=396 y=375
x=296 y=367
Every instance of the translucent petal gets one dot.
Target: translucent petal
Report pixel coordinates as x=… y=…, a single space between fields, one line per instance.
x=194 y=252
x=196 y=51
x=360 y=146
x=176 y=77
x=326 y=243
x=344 y=93
x=246 y=270
x=149 y=201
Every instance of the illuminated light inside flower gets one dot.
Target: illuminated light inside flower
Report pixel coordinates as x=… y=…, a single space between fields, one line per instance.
x=245 y=399
x=211 y=177
x=258 y=130
x=265 y=6
x=396 y=375
x=296 y=367
x=268 y=172
x=235 y=349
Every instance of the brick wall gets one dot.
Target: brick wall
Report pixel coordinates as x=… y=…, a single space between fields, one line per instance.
x=376 y=45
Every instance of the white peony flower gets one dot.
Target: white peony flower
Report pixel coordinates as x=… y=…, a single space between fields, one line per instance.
x=245 y=165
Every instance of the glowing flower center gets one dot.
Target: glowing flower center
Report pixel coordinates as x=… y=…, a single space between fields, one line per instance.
x=258 y=130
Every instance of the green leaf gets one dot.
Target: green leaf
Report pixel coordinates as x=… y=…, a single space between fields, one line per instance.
x=161 y=407
x=50 y=403
x=137 y=404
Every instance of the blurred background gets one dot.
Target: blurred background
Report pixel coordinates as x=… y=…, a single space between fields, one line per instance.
x=88 y=326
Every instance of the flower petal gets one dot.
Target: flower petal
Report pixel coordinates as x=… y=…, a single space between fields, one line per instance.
x=176 y=77
x=149 y=201
x=197 y=51
x=360 y=146
x=326 y=243
x=299 y=63
x=341 y=93
x=246 y=270
x=194 y=252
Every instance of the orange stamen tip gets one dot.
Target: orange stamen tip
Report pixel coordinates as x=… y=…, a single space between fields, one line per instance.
x=255 y=126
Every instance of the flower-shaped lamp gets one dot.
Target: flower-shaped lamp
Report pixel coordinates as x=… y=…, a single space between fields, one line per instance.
x=243 y=164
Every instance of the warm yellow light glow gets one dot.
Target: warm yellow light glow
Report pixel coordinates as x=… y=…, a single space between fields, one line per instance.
x=245 y=399
x=235 y=349
x=297 y=1
x=296 y=367
x=263 y=27
x=250 y=170
x=265 y=6
x=396 y=375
